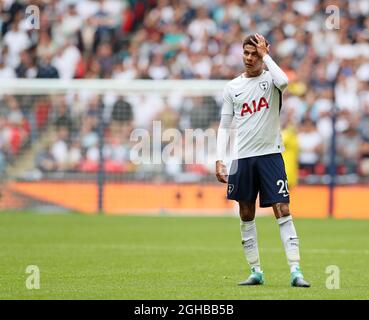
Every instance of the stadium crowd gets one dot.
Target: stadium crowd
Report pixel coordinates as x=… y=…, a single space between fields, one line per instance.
x=190 y=39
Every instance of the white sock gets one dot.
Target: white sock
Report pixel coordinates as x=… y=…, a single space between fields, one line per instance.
x=250 y=244
x=290 y=242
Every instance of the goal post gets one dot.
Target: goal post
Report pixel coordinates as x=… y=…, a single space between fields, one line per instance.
x=189 y=88
x=113 y=146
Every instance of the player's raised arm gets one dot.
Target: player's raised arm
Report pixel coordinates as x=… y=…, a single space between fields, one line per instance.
x=280 y=79
x=223 y=137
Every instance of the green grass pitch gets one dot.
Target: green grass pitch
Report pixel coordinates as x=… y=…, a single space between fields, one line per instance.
x=127 y=257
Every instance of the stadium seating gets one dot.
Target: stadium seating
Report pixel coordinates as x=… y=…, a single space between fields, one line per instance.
x=169 y=40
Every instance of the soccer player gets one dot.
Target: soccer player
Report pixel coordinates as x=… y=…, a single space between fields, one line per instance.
x=291 y=153
x=253 y=100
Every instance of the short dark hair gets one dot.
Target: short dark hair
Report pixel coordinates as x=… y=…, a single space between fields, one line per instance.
x=248 y=41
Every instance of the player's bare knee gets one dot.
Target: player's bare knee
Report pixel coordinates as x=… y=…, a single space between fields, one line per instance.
x=245 y=214
x=281 y=210
x=284 y=209
x=247 y=211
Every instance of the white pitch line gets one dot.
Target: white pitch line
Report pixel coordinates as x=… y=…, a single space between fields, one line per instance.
x=130 y=246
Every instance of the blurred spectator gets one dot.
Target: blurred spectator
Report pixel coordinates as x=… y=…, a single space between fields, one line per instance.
x=310 y=146
x=348 y=150
x=89 y=137
x=364 y=133
x=59 y=149
x=3 y=144
x=346 y=93
x=122 y=111
x=93 y=70
x=16 y=130
x=291 y=153
x=27 y=67
x=95 y=105
x=74 y=155
x=157 y=69
x=6 y=72
x=168 y=117
x=45 y=161
x=319 y=81
x=45 y=69
x=46 y=47
x=124 y=71
x=204 y=112
x=62 y=117
x=202 y=26
x=67 y=58
x=71 y=23
x=17 y=41
x=105 y=57
x=105 y=19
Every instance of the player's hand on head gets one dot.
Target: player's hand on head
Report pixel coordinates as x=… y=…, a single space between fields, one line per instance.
x=221 y=171
x=262 y=46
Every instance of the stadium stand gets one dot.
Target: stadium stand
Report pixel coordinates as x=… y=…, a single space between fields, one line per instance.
x=149 y=39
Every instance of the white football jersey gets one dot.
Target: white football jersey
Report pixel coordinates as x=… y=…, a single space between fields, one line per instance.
x=255 y=104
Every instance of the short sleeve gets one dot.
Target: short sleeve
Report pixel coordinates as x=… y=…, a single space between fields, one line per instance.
x=227 y=107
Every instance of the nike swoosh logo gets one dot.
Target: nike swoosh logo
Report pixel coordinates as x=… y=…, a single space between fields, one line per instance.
x=236 y=95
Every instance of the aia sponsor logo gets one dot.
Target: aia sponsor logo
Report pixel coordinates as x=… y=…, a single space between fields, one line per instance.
x=254 y=106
